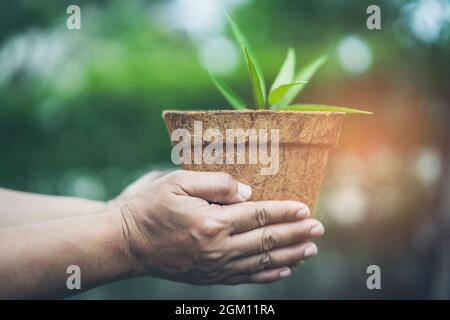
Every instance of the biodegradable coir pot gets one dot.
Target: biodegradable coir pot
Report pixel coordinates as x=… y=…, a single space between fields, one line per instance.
x=304 y=141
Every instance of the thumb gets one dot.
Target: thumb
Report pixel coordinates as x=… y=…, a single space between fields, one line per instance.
x=216 y=187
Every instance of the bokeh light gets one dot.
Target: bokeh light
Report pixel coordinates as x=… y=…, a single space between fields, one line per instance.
x=354 y=54
x=219 y=55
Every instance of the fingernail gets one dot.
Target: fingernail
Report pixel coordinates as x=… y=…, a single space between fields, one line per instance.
x=302 y=213
x=310 y=251
x=317 y=230
x=285 y=273
x=244 y=191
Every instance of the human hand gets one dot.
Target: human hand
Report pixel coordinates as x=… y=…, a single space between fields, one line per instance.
x=135 y=187
x=196 y=227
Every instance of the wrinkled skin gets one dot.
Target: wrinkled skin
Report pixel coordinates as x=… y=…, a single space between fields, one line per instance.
x=197 y=227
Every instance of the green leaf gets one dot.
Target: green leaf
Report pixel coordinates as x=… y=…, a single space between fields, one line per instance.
x=228 y=93
x=305 y=73
x=241 y=39
x=278 y=93
x=321 y=107
x=257 y=91
x=286 y=73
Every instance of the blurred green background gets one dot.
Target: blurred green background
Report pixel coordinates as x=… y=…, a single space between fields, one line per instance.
x=80 y=115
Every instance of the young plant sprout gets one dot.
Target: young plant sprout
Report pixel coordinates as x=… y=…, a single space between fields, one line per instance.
x=286 y=86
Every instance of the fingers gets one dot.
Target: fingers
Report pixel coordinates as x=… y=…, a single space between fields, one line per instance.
x=287 y=256
x=270 y=266
x=259 y=277
x=252 y=215
x=215 y=187
x=140 y=184
x=274 y=236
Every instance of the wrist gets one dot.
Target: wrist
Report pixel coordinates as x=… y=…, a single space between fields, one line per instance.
x=130 y=236
x=129 y=266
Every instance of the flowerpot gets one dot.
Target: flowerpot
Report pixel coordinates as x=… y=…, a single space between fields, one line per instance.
x=303 y=141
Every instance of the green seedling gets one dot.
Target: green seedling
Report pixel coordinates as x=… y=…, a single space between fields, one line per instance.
x=287 y=84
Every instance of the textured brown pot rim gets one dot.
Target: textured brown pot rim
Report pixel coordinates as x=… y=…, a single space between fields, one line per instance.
x=298 y=127
x=249 y=111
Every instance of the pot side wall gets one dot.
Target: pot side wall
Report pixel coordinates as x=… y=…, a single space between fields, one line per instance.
x=305 y=139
